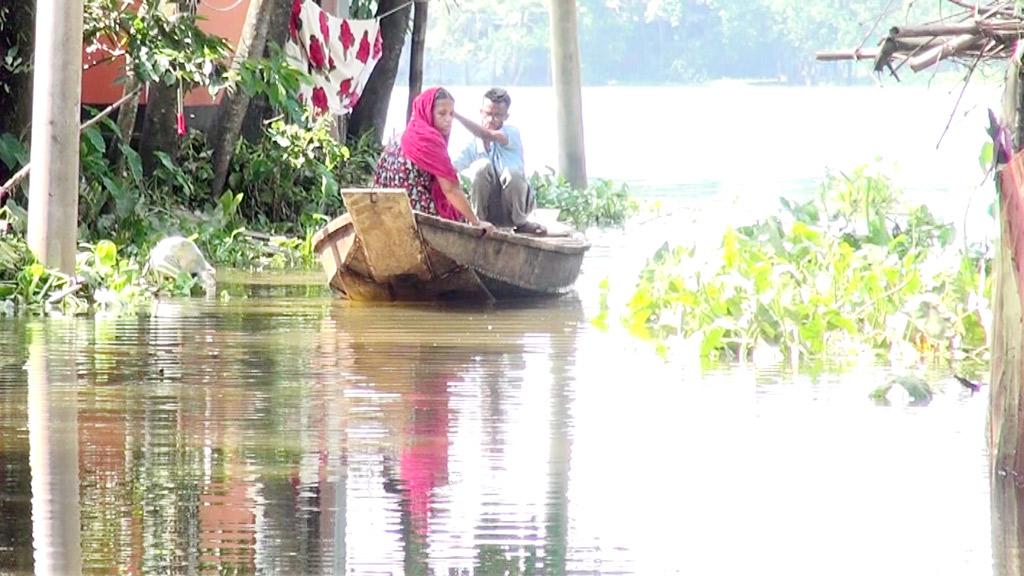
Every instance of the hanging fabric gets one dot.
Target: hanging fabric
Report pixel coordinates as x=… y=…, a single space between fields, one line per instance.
x=181 y=126
x=337 y=53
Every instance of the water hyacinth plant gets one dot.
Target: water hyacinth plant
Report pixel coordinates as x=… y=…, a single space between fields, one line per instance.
x=603 y=203
x=848 y=271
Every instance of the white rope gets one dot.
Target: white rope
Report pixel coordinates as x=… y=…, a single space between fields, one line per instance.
x=393 y=10
x=228 y=9
x=239 y=2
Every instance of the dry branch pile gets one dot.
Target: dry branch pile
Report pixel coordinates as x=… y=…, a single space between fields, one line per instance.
x=974 y=33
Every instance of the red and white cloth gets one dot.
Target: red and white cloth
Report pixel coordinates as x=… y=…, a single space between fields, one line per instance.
x=338 y=54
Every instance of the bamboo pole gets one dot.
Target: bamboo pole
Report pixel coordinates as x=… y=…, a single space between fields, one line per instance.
x=856 y=54
x=934 y=30
x=57 y=97
x=23 y=172
x=933 y=56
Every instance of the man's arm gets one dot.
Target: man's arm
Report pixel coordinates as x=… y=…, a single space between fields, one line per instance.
x=481 y=132
x=466 y=156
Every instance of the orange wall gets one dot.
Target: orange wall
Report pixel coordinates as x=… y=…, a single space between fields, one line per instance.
x=100 y=83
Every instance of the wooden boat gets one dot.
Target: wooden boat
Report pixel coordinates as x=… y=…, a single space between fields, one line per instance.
x=383 y=251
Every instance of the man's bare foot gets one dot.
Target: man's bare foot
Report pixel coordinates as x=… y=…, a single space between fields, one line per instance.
x=531 y=228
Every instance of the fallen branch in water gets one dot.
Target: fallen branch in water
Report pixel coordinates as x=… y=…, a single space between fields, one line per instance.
x=74 y=287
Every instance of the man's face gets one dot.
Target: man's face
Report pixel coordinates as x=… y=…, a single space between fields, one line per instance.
x=493 y=114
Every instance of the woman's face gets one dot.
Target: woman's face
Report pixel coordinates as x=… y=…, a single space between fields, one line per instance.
x=443 y=110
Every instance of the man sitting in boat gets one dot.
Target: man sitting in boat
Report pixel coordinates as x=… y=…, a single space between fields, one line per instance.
x=493 y=161
x=420 y=162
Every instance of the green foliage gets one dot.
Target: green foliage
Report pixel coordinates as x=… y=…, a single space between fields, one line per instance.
x=281 y=185
x=13 y=153
x=289 y=172
x=823 y=277
x=603 y=203
x=273 y=78
x=15 y=41
x=103 y=280
x=112 y=201
x=488 y=39
x=160 y=48
x=917 y=388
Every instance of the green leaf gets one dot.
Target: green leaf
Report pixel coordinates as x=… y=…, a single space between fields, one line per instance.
x=986 y=156
x=166 y=161
x=95 y=139
x=134 y=163
x=106 y=253
x=12 y=152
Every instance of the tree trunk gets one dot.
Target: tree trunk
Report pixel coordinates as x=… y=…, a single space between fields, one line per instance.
x=158 y=125
x=1007 y=333
x=1006 y=394
x=232 y=109
x=128 y=112
x=419 y=42
x=126 y=116
x=565 y=64
x=159 y=133
x=53 y=190
x=371 y=113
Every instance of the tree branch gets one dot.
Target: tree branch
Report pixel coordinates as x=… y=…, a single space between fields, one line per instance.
x=20 y=175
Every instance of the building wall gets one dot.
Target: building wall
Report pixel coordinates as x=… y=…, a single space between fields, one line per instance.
x=100 y=82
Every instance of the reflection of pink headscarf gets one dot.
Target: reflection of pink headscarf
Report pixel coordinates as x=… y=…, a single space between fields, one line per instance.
x=424 y=463
x=428 y=149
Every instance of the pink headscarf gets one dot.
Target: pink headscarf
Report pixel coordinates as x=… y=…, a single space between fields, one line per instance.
x=428 y=148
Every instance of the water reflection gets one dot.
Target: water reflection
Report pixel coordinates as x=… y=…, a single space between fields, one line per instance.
x=53 y=450
x=300 y=435
x=268 y=436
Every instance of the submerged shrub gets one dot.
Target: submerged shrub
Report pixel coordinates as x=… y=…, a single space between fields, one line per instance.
x=603 y=203
x=842 y=272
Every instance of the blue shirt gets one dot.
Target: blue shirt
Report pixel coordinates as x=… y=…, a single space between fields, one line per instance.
x=508 y=156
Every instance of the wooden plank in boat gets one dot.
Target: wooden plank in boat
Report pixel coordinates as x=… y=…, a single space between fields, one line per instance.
x=384 y=223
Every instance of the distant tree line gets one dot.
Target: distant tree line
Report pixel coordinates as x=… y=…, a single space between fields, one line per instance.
x=661 y=41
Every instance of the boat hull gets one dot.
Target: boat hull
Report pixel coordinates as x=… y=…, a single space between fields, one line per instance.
x=377 y=252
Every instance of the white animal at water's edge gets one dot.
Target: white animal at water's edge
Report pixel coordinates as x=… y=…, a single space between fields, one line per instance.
x=175 y=255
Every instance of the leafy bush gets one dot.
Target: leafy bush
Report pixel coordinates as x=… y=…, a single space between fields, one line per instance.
x=603 y=203
x=102 y=280
x=831 y=274
x=289 y=172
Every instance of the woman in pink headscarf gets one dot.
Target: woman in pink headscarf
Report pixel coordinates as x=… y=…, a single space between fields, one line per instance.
x=421 y=165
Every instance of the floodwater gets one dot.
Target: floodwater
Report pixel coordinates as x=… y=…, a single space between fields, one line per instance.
x=287 y=432
x=280 y=431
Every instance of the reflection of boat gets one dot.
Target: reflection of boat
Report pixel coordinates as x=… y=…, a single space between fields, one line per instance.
x=383 y=251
